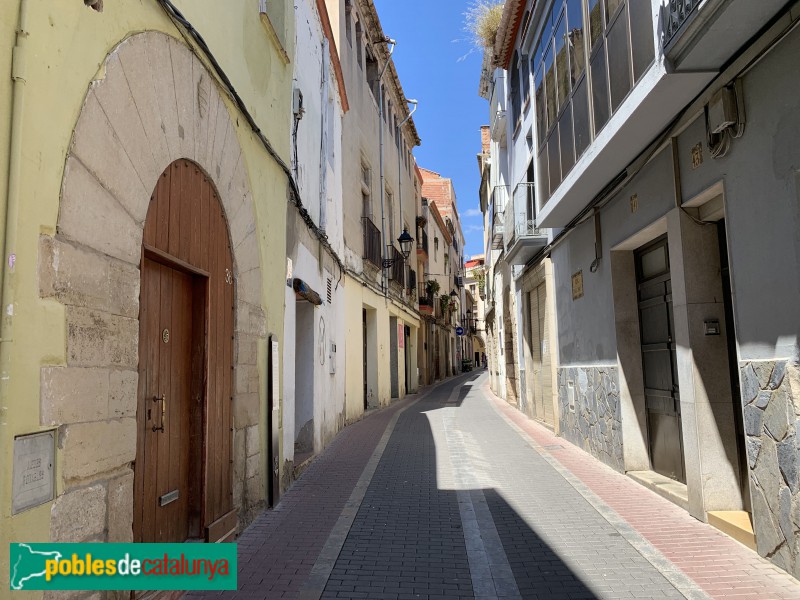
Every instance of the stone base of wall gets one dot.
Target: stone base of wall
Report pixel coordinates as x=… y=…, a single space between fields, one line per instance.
x=771 y=397
x=589 y=412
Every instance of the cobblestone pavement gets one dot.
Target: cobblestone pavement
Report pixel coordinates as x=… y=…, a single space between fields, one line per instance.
x=454 y=494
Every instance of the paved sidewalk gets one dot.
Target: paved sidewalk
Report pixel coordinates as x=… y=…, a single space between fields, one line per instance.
x=454 y=494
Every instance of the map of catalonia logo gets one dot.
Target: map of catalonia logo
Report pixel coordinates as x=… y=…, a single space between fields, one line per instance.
x=122 y=566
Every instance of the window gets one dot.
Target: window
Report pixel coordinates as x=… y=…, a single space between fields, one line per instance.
x=573 y=105
x=372 y=73
x=366 y=193
x=348 y=23
x=359 y=40
x=526 y=81
x=515 y=99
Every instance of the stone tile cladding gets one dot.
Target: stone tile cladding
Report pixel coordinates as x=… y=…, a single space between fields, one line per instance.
x=593 y=421
x=771 y=397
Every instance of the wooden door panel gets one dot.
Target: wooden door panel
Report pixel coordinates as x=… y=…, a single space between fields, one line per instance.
x=187 y=287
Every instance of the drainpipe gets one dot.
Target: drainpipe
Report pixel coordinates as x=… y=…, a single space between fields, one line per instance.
x=391 y=44
x=323 y=158
x=8 y=219
x=400 y=160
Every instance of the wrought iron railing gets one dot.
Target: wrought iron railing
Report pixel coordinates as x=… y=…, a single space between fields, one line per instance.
x=422 y=241
x=412 y=282
x=425 y=299
x=675 y=15
x=397 y=271
x=372 y=242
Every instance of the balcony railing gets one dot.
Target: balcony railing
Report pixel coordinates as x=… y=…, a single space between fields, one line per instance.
x=422 y=242
x=397 y=271
x=676 y=15
x=523 y=207
x=372 y=242
x=412 y=282
x=523 y=238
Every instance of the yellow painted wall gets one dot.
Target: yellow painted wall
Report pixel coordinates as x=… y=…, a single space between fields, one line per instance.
x=67 y=46
x=357 y=297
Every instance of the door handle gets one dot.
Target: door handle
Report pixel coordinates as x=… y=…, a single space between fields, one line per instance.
x=163 y=399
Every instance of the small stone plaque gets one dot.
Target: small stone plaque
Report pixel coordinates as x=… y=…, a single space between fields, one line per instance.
x=577 y=285
x=34 y=458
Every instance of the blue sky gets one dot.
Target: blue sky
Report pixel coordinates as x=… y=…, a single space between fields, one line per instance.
x=431 y=44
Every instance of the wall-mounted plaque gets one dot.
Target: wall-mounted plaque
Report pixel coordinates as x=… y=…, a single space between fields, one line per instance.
x=577 y=285
x=34 y=459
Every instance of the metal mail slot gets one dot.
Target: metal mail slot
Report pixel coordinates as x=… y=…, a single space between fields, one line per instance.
x=168 y=497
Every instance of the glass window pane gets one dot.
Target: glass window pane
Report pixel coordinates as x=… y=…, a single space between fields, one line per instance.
x=595 y=20
x=537 y=55
x=599 y=89
x=543 y=176
x=619 y=60
x=550 y=86
x=654 y=262
x=565 y=134
x=541 y=107
x=611 y=8
x=547 y=31
x=580 y=112
x=526 y=81
x=553 y=159
x=562 y=63
x=577 y=42
x=642 y=37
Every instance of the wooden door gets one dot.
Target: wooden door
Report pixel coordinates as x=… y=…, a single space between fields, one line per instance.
x=166 y=403
x=186 y=362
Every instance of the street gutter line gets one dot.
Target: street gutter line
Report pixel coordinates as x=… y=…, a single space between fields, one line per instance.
x=679 y=580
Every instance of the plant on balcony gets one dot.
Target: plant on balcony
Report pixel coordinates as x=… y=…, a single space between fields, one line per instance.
x=432 y=287
x=482 y=22
x=445 y=302
x=480 y=277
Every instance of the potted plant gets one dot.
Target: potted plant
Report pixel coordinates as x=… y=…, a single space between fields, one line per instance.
x=432 y=287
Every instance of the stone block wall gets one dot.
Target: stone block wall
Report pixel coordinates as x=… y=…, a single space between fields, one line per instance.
x=590 y=412
x=91 y=267
x=771 y=397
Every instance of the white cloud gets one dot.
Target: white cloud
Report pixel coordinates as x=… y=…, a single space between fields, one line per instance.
x=472 y=212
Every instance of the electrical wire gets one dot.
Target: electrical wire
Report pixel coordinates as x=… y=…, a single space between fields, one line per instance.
x=194 y=36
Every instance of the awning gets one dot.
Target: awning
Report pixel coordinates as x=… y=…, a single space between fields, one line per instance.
x=304 y=291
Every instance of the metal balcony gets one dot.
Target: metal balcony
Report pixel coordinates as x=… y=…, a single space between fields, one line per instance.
x=523 y=238
x=422 y=244
x=704 y=34
x=372 y=242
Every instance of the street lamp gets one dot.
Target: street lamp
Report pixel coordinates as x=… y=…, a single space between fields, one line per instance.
x=406 y=242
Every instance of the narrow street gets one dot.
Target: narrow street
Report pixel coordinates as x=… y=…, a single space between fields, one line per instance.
x=453 y=494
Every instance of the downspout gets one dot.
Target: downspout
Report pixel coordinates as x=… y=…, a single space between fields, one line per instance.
x=8 y=219
x=391 y=44
x=400 y=159
x=323 y=154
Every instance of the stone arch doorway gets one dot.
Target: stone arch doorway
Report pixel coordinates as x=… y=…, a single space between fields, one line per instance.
x=182 y=475
x=155 y=104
